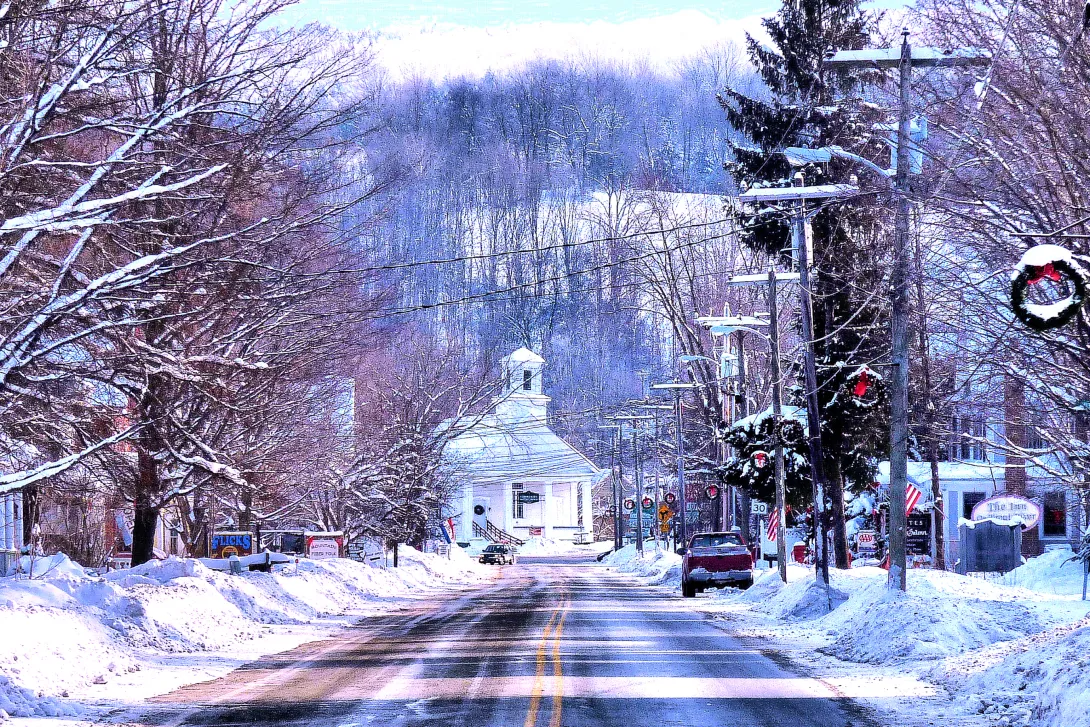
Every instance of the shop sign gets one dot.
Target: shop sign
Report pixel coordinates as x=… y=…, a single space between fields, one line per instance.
x=224 y=545
x=918 y=535
x=325 y=546
x=1007 y=509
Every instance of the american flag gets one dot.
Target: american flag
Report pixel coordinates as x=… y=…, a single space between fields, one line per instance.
x=773 y=524
x=912 y=498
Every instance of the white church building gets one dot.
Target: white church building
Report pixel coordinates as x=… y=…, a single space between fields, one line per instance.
x=518 y=479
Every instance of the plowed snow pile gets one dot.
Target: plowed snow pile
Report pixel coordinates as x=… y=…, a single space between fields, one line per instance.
x=69 y=637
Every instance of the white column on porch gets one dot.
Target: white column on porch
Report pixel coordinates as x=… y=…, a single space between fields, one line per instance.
x=547 y=509
x=7 y=522
x=573 y=503
x=588 y=510
x=508 y=508
x=467 y=511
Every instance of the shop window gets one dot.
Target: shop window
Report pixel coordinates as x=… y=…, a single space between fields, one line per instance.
x=1055 y=515
x=969 y=500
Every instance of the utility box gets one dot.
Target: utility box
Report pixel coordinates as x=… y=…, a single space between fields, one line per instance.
x=989 y=547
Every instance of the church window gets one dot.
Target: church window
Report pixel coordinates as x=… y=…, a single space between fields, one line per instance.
x=527 y=378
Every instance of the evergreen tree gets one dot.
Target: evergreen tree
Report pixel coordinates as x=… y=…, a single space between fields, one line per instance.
x=808 y=105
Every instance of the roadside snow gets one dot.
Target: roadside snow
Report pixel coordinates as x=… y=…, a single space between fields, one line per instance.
x=661 y=567
x=547 y=546
x=1010 y=651
x=71 y=640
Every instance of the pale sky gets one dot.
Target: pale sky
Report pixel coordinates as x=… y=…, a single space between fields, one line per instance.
x=445 y=38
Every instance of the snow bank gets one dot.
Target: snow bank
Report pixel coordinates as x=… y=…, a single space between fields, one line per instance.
x=67 y=632
x=1054 y=572
x=656 y=567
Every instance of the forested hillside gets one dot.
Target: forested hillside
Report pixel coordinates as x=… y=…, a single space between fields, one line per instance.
x=531 y=188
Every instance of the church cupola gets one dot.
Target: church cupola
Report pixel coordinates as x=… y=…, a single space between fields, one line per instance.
x=522 y=395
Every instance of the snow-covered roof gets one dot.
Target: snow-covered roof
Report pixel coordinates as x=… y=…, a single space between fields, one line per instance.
x=919 y=473
x=494 y=450
x=523 y=355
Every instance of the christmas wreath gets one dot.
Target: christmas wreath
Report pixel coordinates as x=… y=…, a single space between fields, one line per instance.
x=1054 y=263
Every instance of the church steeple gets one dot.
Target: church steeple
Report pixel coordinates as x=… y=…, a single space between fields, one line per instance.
x=522 y=392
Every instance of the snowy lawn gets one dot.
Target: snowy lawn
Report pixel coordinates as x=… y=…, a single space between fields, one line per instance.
x=1011 y=650
x=71 y=641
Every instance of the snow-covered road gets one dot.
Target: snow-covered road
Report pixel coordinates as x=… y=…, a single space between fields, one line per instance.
x=551 y=642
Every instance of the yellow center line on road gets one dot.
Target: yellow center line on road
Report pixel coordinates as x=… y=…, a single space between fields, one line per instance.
x=538 y=689
x=558 y=670
x=553 y=630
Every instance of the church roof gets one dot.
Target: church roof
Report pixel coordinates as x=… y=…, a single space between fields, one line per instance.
x=523 y=355
x=493 y=450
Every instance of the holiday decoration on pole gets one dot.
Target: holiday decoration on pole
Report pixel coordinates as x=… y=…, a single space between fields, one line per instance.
x=712 y=491
x=669 y=498
x=1056 y=265
x=629 y=504
x=647 y=502
x=862 y=385
x=760 y=459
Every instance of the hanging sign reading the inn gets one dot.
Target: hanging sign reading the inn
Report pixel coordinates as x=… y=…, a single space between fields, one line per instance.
x=1008 y=508
x=529 y=498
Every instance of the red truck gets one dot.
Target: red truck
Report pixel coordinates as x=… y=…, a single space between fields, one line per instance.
x=714 y=560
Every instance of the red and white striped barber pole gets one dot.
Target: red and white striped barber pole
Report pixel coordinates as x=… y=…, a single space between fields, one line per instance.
x=773 y=524
x=912 y=498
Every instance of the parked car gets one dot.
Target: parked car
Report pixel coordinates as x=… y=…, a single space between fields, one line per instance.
x=715 y=560
x=499 y=554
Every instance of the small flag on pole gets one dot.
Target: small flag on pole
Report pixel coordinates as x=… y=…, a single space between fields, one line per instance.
x=912 y=498
x=773 y=524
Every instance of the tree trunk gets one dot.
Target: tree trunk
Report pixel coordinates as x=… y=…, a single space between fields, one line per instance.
x=32 y=506
x=835 y=482
x=146 y=515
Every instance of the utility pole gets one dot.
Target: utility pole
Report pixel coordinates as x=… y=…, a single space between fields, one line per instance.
x=637 y=474
x=677 y=387
x=797 y=196
x=741 y=411
x=813 y=413
x=727 y=325
x=777 y=417
x=615 y=470
x=904 y=60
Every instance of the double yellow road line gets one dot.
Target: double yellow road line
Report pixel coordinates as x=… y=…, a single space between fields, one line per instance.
x=553 y=630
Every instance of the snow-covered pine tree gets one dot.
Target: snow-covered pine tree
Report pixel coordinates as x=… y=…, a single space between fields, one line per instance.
x=807 y=105
x=754 y=434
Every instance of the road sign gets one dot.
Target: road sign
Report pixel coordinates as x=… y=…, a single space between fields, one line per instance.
x=665 y=513
x=759 y=508
x=529 y=498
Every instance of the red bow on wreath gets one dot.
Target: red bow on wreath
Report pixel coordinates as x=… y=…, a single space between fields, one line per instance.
x=1045 y=272
x=862 y=385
